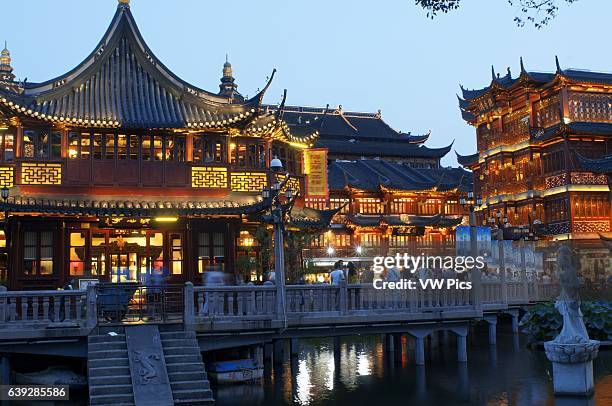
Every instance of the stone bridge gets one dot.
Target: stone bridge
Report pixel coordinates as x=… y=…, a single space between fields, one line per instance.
x=188 y=320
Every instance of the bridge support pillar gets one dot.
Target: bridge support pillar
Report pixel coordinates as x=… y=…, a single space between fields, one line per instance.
x=514 y=313
x=445 y=338
x=293 y=347
x=492 y=321
x=419 y=351
x=279 y=351
x=397 y=346
x=462 y=348
x=5 y=374
x=389 y=343
x=267 y=352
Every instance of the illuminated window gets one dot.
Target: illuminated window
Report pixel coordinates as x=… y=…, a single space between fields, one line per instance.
x=211 y=252
x=175 y=148
x=110 y=146
x=176 y=257
x=38 y=252
x=146 y=147
x=156 y=248
x=122 y=147
x=7 y=142
x=134 y=147
x=158 y=148
x=41 y=144
x=98 y=257
x=97 y=146
x=77 y=253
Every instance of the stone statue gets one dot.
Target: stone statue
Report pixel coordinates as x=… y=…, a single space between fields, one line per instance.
x=568 y=302
x=571 y=352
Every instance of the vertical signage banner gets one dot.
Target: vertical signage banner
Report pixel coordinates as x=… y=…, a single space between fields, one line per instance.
x=315 y=168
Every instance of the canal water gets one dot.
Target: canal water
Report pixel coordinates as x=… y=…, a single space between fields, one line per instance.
x=361 y=373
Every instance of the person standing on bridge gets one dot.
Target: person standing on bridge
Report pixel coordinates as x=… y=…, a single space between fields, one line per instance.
x=337 y=274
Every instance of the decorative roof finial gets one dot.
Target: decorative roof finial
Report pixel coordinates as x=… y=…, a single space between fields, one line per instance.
x=493 y=72
x=522 y=66
x=557 y=63
x=228 y=87
x=6 y=70
x=124 y=2
x=509 y=74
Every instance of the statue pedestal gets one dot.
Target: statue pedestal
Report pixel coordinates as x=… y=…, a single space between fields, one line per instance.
x=572 y=367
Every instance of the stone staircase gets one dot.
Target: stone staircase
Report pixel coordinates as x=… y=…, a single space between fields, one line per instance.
x=185 y=367
x=108 y=368
x=110 y=379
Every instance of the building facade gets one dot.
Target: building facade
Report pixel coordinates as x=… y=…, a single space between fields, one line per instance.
x=392 y=193
x=532 y=131
x=119 y=169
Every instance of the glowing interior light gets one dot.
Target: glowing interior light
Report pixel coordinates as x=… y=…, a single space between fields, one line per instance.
x=330 y=250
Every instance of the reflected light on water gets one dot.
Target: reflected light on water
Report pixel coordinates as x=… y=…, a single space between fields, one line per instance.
x=303 y=382
x=364 y=366
x=331 y=368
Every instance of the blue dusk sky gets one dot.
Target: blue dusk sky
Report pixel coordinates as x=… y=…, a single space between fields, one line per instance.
x=364 y=55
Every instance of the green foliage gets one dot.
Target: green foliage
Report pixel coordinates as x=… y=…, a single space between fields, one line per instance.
x=543 y=322
x=536 y=12
x=245 y=265
x=295 y=243
x=265 y=244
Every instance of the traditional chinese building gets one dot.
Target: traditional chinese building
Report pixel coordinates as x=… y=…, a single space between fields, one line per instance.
x=119 y=168
x=392 y=192
x=532 y=131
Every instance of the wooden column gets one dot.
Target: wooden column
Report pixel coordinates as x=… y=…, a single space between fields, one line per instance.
x=189 y=147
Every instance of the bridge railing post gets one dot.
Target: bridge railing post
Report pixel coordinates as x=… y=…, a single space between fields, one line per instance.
x=475 y=274
x=92 y=306
x=189 y=311
x=502 y=268
x=524 y=280
x=343 y=297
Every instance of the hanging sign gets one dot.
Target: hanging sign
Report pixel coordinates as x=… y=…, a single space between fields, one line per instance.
x=315 y=168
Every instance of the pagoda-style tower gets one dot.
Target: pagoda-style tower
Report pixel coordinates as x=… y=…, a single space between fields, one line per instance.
x=532 y=131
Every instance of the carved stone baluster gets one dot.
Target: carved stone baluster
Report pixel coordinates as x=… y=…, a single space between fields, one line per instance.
x=232 y=302
x=252 y=303
x=259 y=304
x=46 y=308
x=3 y=309
x=201 y=304
x=67 y=302
x=77 y=304
x=35 y=308
x=240 y=304
x=13 y=308
x=57 y=303
x=24 y=308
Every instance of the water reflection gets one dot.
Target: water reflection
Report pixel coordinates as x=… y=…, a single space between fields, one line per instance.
x=357 y=371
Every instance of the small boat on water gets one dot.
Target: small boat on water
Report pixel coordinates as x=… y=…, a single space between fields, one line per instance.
x=235 y=371
x=52 y=376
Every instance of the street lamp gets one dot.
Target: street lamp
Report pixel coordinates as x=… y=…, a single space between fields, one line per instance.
x=277 y=218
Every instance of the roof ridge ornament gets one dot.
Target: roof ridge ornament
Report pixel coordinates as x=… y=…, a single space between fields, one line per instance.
x=522 y=66
x=559 y=70
x=493 y=72
x=124 y=3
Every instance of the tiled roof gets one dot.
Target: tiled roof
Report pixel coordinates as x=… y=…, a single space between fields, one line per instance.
x=122 y=83
x=371 y=174
x=596 y=165
x=380 y=149
x=467 y=160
